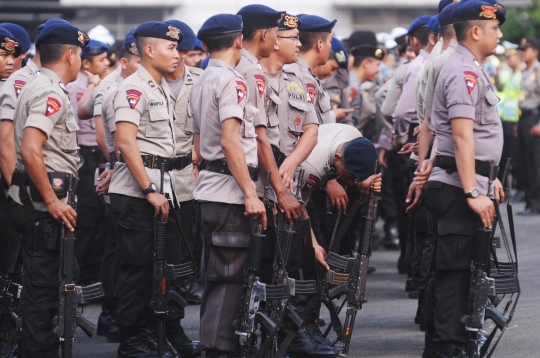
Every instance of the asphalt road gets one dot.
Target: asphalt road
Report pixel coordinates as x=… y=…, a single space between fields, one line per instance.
x=385 y=326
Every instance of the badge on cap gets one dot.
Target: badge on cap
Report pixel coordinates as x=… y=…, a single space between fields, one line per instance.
x=53 y=106
x=488 y=12
x=133 y=97
x=133 y=49
x=240 y=90
x=261 y=84
x=523 y=42
x=291 y=21
x=173 y=33
x=311 y=92
x=18 y=87
x=281 y=18
x=82 y=38
x=9 y=45
x=378 y=53
x=470 y=80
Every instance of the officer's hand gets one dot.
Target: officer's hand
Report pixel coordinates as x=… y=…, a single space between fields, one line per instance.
x=535 y=130
x=337 y=195
x=484 y=207
x=422 y=175
x=395 y=144
x=342 y=112
x=288 y=204
x=406 y=150
x=382 y=158
x=374 y=183
x=417 y=192
x=320 y=255
x=286 y=171
x=499 y=191
x=93 y=78
x=63 y=213
x=160 y=204
x=103 y=187
x=255 y=209
x=196 y=172
x=416 y=131
x=416 y=148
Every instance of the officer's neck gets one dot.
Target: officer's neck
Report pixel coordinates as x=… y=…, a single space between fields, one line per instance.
x=446 y=42
x=272 y=64
x=229 y=56
x=479 y=56
x=310 y=58
x=530 y=62
x=37 y=59
x=154 y=72
x=253 y=48
x=179 y=72
x=62 y=71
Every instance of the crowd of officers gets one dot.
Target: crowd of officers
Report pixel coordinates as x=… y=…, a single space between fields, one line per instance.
x=278 y=94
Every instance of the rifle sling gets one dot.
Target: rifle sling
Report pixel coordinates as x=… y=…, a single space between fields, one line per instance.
x=345 y=226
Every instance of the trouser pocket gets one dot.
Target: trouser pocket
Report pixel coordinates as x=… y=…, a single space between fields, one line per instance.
x=227 y=256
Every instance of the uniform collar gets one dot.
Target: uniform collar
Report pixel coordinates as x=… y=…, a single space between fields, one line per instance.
x=468 y=54
x=45 y=71
x=119 y=78
x=304 y=65
x=251 y=57
x=423 y=53
x=188 y=76
x=32 y=66
x=453 y=43
x=147 y=77
x=218 y=63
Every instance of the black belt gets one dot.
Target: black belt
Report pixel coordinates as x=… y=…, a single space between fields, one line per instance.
x=58 y=181
x=526 y=112
x=155 y=162
x=481 y=168
x=112 y=159
x=279 y=156
x=221 y=167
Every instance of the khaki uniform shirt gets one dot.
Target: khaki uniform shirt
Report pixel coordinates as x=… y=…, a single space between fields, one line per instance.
x=365 y=101
x=315 y=93
x=432 y=77
x=420 y=85
x=13 y=87
x=319 y=165
x=386 y=123
x=87 y=131
x=45 y=105
x=219 y=94
x=184 y=180
x=108 y=114
x=464 y=90
x=95 y=101
x=149 y=106
x=337 y=87
x=530 y=87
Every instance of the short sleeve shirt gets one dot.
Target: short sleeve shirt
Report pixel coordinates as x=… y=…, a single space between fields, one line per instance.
x=107 y=112
x=464 y=90
x=44 y=104
x=421 y=81
x=250 y=68
x=13 y=87
x=219 y=94
x=95 y=101
x=87 y=131
x=530 y=87
x=337 y=87
x=148 y=105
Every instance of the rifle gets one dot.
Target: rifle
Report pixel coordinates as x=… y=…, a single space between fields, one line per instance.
x=254 y=291
x=164 y=280
x=72 y=296
x=10 y=294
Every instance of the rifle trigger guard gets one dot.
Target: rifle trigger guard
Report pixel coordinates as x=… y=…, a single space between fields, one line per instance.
x=69 y=287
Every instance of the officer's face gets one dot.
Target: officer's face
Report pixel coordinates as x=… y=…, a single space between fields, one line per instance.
x=490 y=37
x=372 y=67
x=97 y=65
x=130 y=64
x=74 y=58
x=325 y=48
x=288 y=45
x=166 y=56
x=7 y=62
x=269 y=41
x=344 y=175
x=529 y=54
x=327 y=69
x=193 y=57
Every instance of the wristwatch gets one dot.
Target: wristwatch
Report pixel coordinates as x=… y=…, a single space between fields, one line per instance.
x=152 y=188
x=473 y=193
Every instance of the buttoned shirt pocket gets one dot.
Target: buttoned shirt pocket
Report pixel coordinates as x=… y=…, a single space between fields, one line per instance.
x=324 y=103
x=490 y=114
x=248 y=129
x=157 y=125
x=297 y=113
x=274 y=102
x=68 y=142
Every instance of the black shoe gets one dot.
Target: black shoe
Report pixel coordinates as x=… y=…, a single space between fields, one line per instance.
x=305 y=346
x=409 y=284
x=178 y=339
x=321 y=322
x=402 y=266
x=518 y=197
x=371 y=269
x=112 y=333
x=315 y=333
x=448 y=350
x=529 y=212
x=103 y=324
x=139 y=345
x=195 y=295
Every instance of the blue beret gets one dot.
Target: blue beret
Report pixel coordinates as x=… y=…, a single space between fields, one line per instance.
x=204 y=62
x=94 y=48
x=289 y=22
x=158 y=30
x=360 y=157
x=260 y=16
x=418 y=23
x=188 y=42
x=479 y=10
x=445 y=3
x=340 y=53
x=9 y=43
x=364 y=44
x=19 y=33
x=433 y=24
x=313 y=23
x=198 y=46
x=445 y=17
x=220 y=24
x=494 y=2
x=130 y=43
x=53 y=20
x=62 y=33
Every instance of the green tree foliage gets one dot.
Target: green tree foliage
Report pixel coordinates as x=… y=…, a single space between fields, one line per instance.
x=521 y=22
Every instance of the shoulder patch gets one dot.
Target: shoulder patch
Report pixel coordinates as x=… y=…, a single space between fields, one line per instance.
x=312 y=181
x=261 y=84
x=241 y=90
x=19 y=84
x=133 y=97
x=311 y=92
x=79 y=96
x=470 y=80
x=53 y=106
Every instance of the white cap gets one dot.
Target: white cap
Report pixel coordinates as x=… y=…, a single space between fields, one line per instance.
x=397 y=32
x=101 y=33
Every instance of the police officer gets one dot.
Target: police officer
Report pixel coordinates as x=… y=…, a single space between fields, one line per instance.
x=528 y=129
x=225 y=138
x=22 y=37
x=196 y=55
x=145 y=138
x=315 y=37
x=9 y=51
x=46 y=145
x=468 y=128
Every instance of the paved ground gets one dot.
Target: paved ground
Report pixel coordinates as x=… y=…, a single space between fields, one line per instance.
x=385 y=327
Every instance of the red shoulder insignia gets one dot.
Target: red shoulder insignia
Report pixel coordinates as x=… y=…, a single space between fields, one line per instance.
x=133 y=97
x=261 y=84
x=53 y=106
x=311 y=92
x=19 y=84
x=471 y=73
x=79 y=96
x=470 y=82
x=241 y=90
x=312 y=181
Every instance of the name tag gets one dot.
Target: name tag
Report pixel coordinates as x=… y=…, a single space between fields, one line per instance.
x=157 y=103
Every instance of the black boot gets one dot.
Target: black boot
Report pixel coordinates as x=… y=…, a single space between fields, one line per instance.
x=137 y=342
x=178 y=339
x=103 y=324
x=315 y=333
x=449 y=350
x=305 y=346
x=112 y=333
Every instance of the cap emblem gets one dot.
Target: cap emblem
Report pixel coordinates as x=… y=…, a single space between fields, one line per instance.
x=173 y=33
x=488 y=12
x=9 y=45
x=291 y=21
x=133 y=49
x=82 y=38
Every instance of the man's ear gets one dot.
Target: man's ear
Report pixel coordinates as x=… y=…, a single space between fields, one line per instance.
x=123 y=63
x=476 y=32
x=149 y=50
x=239 y=40
x=85 y=63
x=263 y=34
